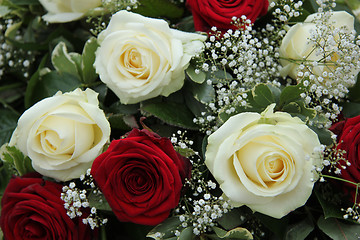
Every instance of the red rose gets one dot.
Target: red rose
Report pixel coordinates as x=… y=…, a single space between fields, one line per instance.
x=348 y=137
x=32 y=209
x=141 y=176
x=219 y=13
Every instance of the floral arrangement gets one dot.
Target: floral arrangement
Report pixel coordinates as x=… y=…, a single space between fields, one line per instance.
x=172 y=119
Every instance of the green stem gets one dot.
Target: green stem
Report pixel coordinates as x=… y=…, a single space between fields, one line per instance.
x=340 y=179
x=103 y=233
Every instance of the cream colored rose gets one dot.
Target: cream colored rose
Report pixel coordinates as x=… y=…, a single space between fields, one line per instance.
x=296 y=47
x=264 y=161
x=63 y=134
x=67 y=10
x=140 y=58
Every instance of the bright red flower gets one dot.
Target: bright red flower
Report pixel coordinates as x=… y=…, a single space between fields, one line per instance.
x=141 y=177
x=219 y=13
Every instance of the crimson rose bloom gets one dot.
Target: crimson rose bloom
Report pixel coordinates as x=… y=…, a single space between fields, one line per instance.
x=219 y=13
x=141 y=177
x=348 y=137
x=32 y=209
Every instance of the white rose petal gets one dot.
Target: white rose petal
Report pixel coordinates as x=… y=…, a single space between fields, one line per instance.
x=260 y=160
x=296 y=44
x=60 y=11
x=63 y=134
x=140 y=58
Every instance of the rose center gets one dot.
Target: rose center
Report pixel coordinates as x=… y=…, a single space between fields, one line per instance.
x=131 y=59
x=274 y=166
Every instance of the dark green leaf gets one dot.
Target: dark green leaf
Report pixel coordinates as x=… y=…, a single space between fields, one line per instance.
x=88 y=58
x=124 y=109
x=204 y=92
x=236 y=233
x=117 y=122
x=292 y=107
x=232 y=219
x=99 y=202
x=24 y=2
x=159 y=8
x=166 y=228
x=277 y=226
x=186 y=152
x=276 y=92
x=14 y=156
x=330 y=209
x=300 y=230
x=52 y=82
x=63 y=61
x=187 y=234
x=262 y=95
x=196 y=77
x=8 y=122
x=29 y=94
x=175 y=114
x=5 y=175
x=324 y=135
x=290 y=94
x=351 y=109
x=338 y=230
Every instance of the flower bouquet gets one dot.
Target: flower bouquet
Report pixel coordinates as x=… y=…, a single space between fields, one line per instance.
x=173 y=119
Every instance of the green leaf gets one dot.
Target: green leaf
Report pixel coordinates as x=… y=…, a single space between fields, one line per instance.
x=204 y=92
x=12 y=155
x=88 y=58
x=166 y=229
x=24 y=2
x=186 y=234
x=159 y=8
x=300 y=230
x=29 y=93
x=6 y=173
x=351 y=109
x=232 y=219
x=196 y=77
x=277 y=226
x=290 y=94
x=52 y=82
x=338 y=230
x=236 y=233
x=117 y=122
x=62 y=60
x=330 y=209
x=262 y=95
x=186 y=152
x=8 y=122
x=4 y=10
x=99 y=202
x=292 y=107
x=324 y=135
x=175 y=114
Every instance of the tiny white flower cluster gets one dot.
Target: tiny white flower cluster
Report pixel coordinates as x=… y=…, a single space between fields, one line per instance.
x=339 y=53
x=334 y=159
x=284 y=10
x=180 y=140
x=13 y=59
x=75 y=200
x=100 y=22
x=200 y=210
x=353 y=212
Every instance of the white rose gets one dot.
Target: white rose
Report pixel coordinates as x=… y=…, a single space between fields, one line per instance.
x=60 y=11
x=264 y=161
x=63 y=134
x=140 y=58
x=296 y=46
